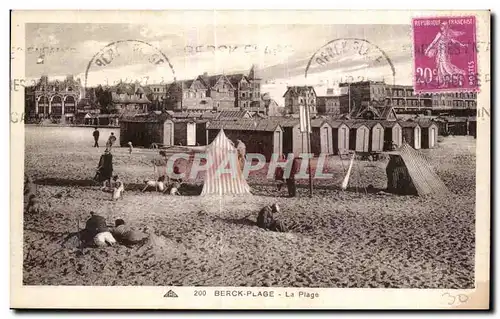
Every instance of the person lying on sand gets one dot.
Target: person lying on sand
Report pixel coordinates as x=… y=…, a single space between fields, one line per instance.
x=159 y=184
x=118 y=188
x=96 y=230
x=266 y=219
x=125 y=235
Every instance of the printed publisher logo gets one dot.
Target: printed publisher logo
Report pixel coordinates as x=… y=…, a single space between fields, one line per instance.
x=170 y=294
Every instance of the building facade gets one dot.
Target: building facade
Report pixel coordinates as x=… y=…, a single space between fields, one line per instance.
x=328 y=105
x=129 y=98
x=404 y=100
x=217 y=92
x=295 y=96
x=55 y=99
x=158 y=95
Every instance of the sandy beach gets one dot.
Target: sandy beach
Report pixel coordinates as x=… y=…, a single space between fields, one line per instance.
x=347 y=238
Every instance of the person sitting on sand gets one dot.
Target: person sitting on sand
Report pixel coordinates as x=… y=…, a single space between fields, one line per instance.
x=266 y=219
x=107 y=187
x=125 y=235
x=118 y=188
x=174 y=190
x=96 y=231
x=159 y=184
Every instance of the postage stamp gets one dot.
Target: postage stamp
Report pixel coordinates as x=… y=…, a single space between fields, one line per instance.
x=135 y=185
x=445 y=55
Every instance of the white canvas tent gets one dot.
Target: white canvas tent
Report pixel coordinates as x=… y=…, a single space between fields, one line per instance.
x=219 y=152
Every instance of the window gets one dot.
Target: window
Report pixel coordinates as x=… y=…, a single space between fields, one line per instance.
x=421 y=102
x=242 y=94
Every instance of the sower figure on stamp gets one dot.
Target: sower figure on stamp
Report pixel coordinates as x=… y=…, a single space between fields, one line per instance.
x=439 y=48
x=95 y=134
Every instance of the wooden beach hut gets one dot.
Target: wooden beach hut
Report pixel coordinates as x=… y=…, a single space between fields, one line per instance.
x=377 y=137
x=340 y=136
x=412 y=134
x=294 y=141
x=262 y=136
x=184 y=132
x=321 y=137
x=201 y=132
x=429 y=131
x=393 y=133
x=359 y=135
x=146 y=130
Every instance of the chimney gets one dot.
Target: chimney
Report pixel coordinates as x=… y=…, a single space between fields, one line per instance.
x=205 y=74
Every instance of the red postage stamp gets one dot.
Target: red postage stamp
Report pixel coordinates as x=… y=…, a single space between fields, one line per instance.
x=445 y=55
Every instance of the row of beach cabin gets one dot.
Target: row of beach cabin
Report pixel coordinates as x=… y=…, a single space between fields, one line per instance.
x=282 y=135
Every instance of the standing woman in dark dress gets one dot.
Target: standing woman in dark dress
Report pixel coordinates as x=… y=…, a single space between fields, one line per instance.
x=105 y=167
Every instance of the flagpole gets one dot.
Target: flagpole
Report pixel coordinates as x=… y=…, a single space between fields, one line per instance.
x=309 y=128
x=349 y=89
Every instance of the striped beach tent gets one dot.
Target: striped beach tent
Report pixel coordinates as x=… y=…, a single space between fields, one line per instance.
x=408 y=172
x=221 y=154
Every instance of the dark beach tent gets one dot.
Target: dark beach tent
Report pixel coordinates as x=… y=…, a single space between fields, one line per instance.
x=409 y=173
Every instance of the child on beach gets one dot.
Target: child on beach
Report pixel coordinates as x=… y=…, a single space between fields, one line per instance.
x=118 y=188
x=130 y=147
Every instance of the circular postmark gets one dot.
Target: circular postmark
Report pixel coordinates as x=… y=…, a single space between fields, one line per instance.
x=129 y=61
x=347 y=60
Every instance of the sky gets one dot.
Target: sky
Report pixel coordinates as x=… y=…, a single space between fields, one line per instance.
x=280 y=53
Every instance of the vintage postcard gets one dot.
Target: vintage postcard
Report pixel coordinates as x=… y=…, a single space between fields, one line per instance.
x=250 y=159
